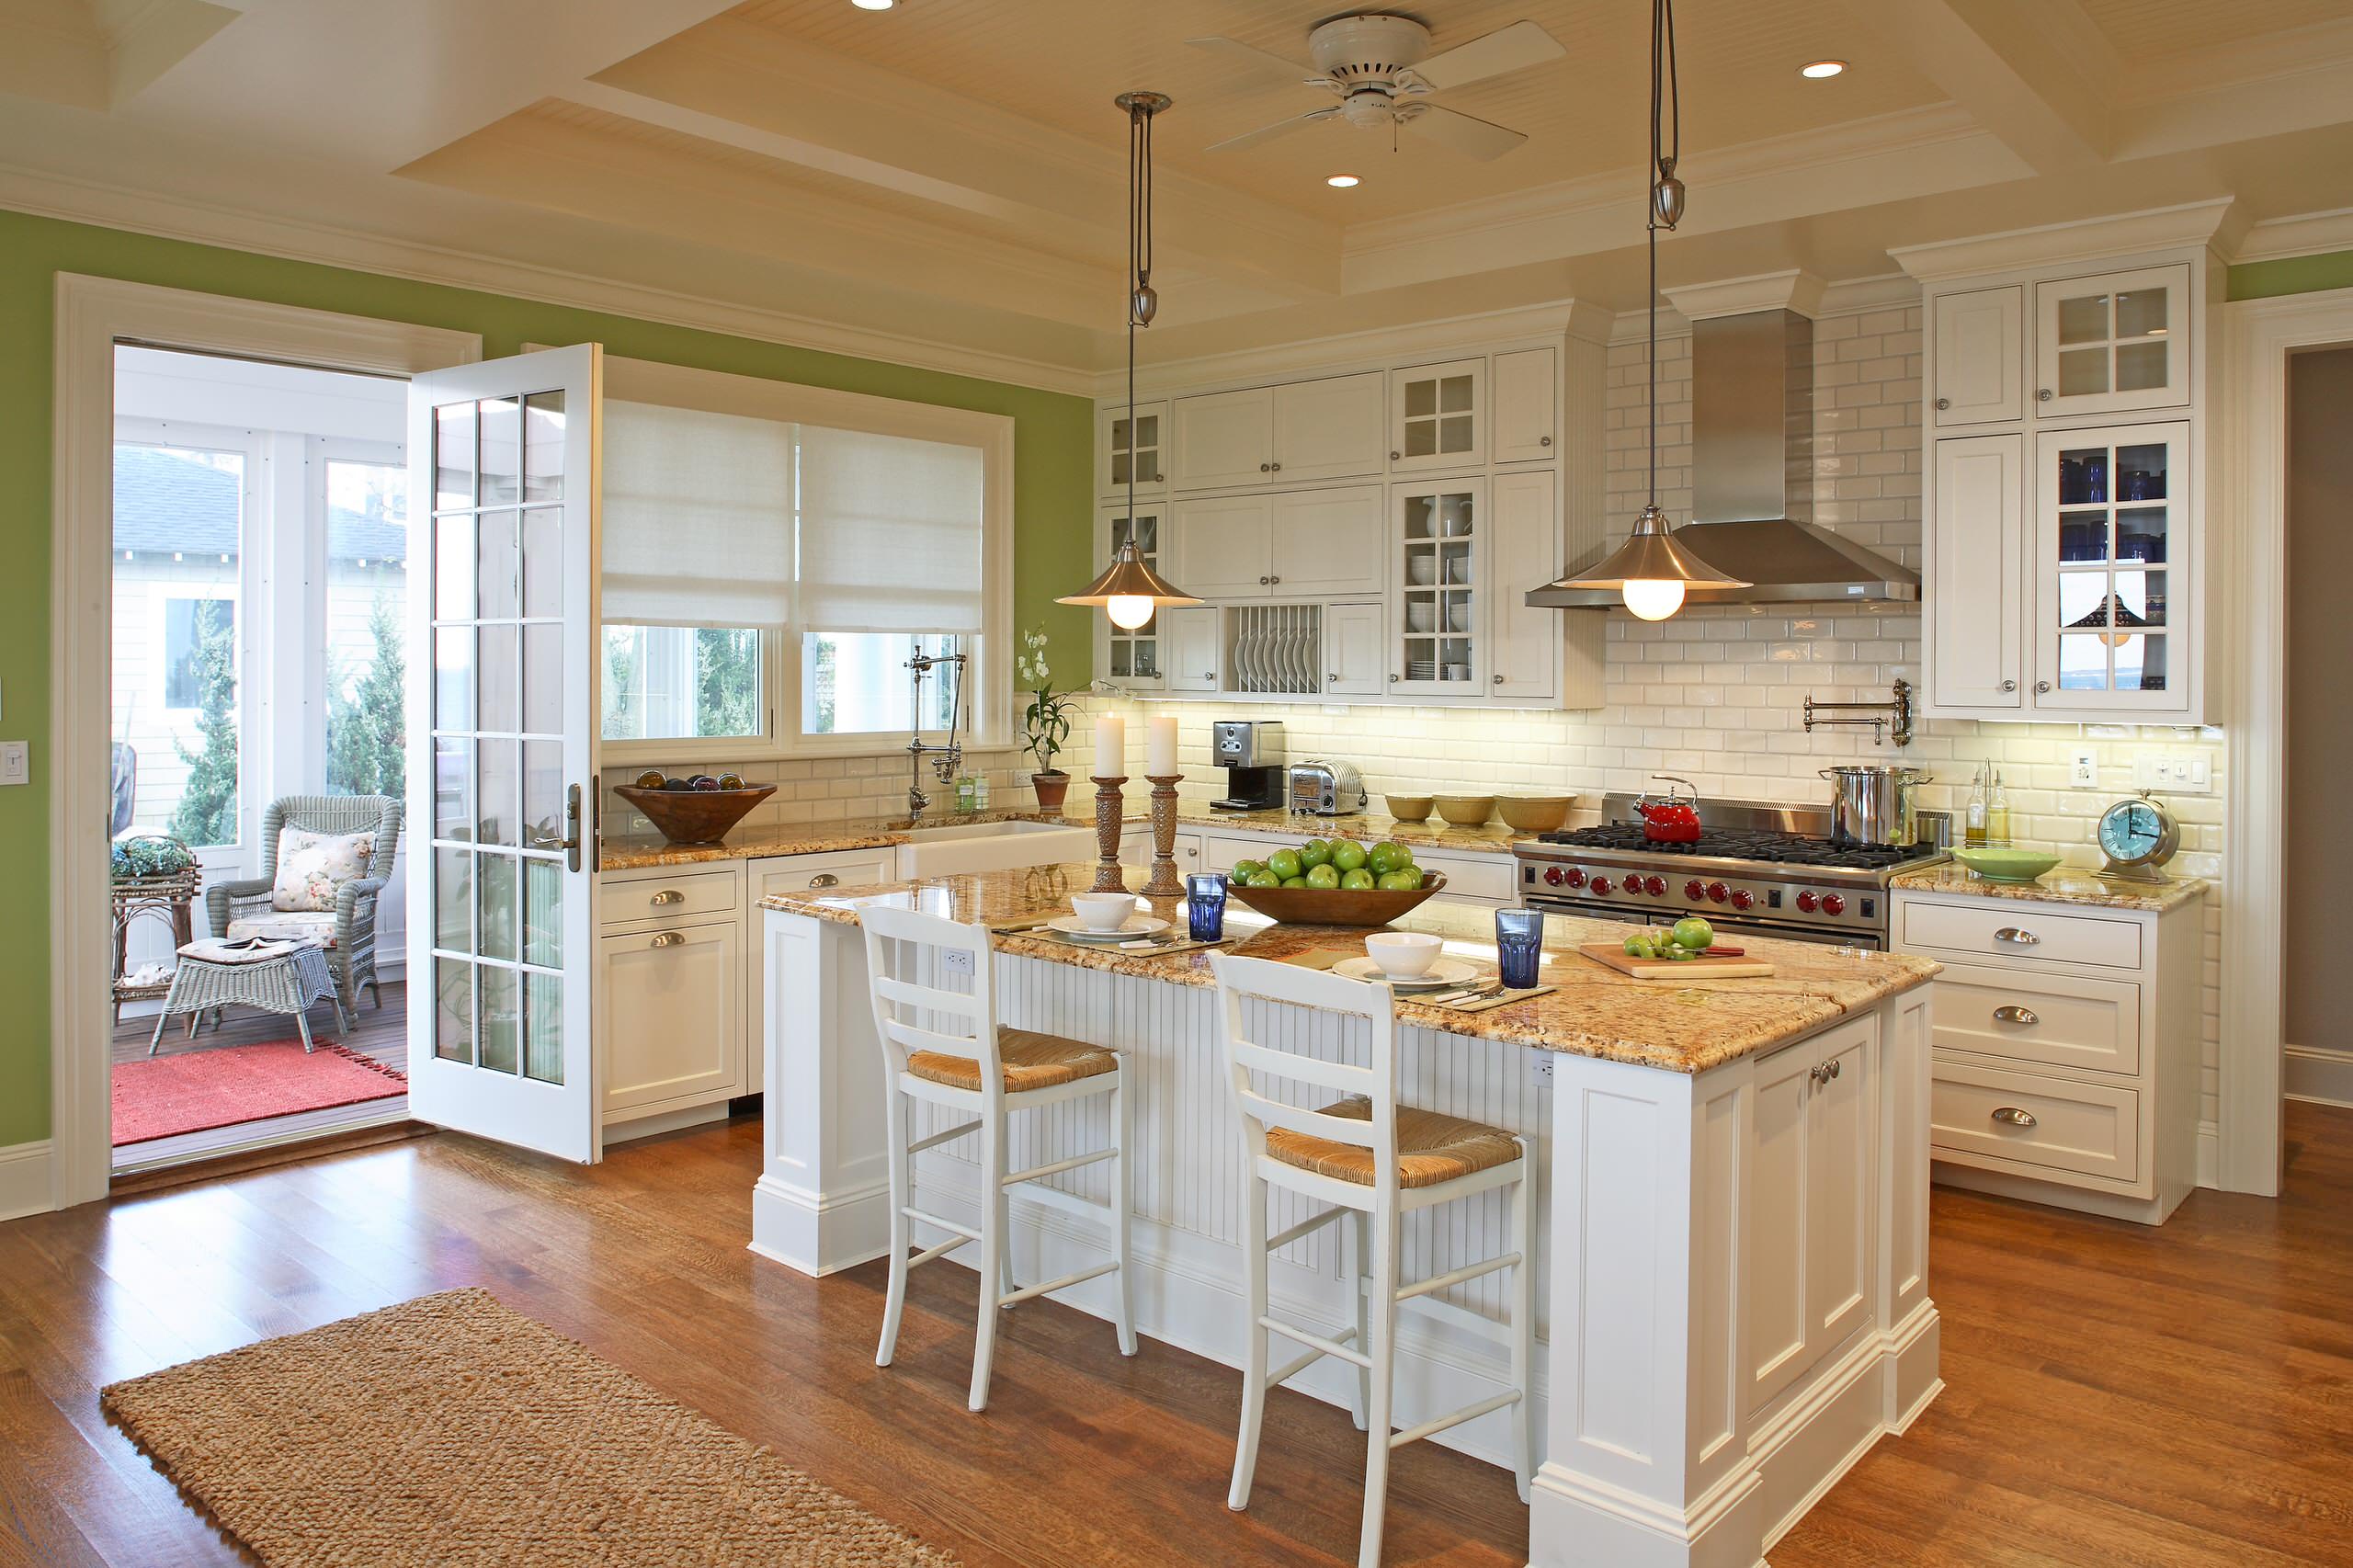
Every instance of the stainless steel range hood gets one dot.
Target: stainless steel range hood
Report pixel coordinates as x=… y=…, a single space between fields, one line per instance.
x=1752 y=457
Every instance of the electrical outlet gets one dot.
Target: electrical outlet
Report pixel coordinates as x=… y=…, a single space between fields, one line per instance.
x=1540 y=1068
x=16 y=766
x=954 y=962
x=2083 y=768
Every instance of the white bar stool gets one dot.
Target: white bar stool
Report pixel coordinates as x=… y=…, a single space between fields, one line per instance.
x=947 y=1048
x=1372 y=1160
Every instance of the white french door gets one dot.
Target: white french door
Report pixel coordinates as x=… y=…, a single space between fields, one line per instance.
x=502 y=749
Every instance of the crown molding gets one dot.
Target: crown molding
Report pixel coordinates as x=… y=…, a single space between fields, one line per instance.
x=1794 y=290
x=173 y=218
x=2209 y=223
x=1858 y=296
x=2309 y=233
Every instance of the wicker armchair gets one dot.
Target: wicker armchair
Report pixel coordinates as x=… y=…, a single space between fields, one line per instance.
x=352 y=959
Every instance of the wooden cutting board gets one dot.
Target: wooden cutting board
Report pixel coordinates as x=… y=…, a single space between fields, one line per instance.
x=1615 y=955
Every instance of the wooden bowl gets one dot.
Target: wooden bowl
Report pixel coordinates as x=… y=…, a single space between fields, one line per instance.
x=1466 y=810
x=694 y=816
x=1536 y=813
x=1408 y=808
x=1335 y=907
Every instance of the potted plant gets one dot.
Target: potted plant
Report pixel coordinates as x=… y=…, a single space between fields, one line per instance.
x=1045 y=721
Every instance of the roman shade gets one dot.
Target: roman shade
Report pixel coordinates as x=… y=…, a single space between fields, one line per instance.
x=890 y=533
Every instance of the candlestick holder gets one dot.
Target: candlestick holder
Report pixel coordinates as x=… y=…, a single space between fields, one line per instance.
x=1164 y=882
x=1109 y=878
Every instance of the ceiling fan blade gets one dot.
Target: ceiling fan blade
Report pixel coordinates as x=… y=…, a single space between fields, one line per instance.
x=1463 y=134
x=1508 y=49
x=1269 y=132
x=1249 y=57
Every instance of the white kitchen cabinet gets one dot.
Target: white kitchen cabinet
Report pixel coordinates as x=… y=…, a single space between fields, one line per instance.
x=1131 y=657
x=1324 y=543
x=1438 y=565
x=821 y=871
x=1809 y=1255
x=1220 y=547
x=670 y=1012
x=1187 y=848
x=1195 y=650
x=2113 y=342
x=1527 y=405
x=1438 y=417
x=1354 y=650
x=1327 y=428
x=2112 y=580
x=1524 y=643
x=1981 y=348
x=1976 y=651
x=1117 y=440
x=1223 y=439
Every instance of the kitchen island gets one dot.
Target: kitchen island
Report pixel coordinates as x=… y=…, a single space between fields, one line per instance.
x=1732 y=1212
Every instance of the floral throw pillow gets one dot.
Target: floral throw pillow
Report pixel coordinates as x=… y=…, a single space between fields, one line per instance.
x=312 y=866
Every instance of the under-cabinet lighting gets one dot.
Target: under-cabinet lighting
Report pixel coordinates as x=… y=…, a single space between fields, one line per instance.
x=1817 y=69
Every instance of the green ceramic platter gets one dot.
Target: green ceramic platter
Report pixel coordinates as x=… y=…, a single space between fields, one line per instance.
x=2006 y=865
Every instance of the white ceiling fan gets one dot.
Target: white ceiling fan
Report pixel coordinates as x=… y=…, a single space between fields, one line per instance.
x=1380 y=70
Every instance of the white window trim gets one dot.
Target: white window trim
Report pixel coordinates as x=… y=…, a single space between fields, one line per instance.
x=989 y=720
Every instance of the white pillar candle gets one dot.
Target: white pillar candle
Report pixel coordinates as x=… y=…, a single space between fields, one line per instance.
x=1160 y=746
x=1110 y=746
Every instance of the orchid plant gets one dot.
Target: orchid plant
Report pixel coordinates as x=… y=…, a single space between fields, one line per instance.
x=1045 y=721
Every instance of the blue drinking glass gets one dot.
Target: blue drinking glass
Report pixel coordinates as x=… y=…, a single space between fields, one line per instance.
x=1520 y=945
x=1205 y=905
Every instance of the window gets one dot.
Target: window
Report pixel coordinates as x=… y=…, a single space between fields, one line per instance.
x=671 y=682
x=200 y=643
x=857 y=683
x=366 y=670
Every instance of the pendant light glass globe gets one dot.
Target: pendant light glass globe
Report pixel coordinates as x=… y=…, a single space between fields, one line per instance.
x=1128 y=611
x=1653 y=598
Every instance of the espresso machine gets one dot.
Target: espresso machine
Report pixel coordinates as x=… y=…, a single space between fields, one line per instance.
x=1251 y=752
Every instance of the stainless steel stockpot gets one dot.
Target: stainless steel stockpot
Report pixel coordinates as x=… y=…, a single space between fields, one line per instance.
x=1873 y=804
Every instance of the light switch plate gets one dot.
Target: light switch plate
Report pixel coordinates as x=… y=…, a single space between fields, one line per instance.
x=2083 y=768
x=2173 y=772
x=16 y=762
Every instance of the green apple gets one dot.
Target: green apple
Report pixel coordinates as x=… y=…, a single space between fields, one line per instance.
x=1294 y=882
x=1314 y=853
x=1245 y=870
x=1261 y=878
x=1401 y=881
x=1350 y=855
x=1695 y=934
x=1386 y=857
x=1680 y=953
x=1323 y=876
x=1285 y=864
x=1358 y=877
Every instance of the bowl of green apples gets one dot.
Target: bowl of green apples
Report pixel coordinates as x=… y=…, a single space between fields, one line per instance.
x=1334 y=881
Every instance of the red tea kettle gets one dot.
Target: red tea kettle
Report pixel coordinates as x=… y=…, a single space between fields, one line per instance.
x=1671 y=819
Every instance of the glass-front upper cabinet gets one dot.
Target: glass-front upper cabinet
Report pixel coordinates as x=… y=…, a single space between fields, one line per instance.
x=1440 y=554
x=1132 y=658
x=2113 y=513
x=1438 y=417
x=1141 y=441
x=2116 y=342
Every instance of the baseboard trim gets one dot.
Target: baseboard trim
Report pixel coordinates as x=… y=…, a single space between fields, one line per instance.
x=26 y=1182
x=2317 y=1073
x=2210 y=1154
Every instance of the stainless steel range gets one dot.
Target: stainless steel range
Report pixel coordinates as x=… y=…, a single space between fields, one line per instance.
x=1757 y=870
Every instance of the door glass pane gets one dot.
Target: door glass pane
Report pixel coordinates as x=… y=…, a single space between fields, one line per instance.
x=2083 y=661
x=543 y=817
x=498 y=807
x=453 y=1009
x=453 y=677
x=453 y=899
x=1120 y=465
x=1454 y=395
x=543 y=446
x=1421 y=398
x=1454 y=434
x=453 y=568
x=2141 y=471
x=501 y=1019
x=543 y=912
x=453 y=786
x=2084 y=319
x=2083 y=536
x=499 y=691
x=502 y=452
x=499 y=572
x=2083 y=598
x=543 y=1029
x=2141 y=312
x=2141 y=663
x=1421 y=437
x=2140 y=367
x=2083 y=477
x=2083 y=371
x=543 y=680
x=495 y=915
x=542 y=561
x=453 y=456
x=2140 y=598
x=2141 y=534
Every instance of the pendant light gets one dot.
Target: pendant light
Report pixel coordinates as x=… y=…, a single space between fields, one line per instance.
x=1652 y=569
x=1129 y=591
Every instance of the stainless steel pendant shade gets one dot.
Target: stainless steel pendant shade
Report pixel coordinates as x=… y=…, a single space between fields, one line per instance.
x=1652 y=555
x=1129 y=578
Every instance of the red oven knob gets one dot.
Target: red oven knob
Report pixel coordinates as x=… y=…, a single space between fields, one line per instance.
x=1695 y=889
x=1654 y=886
x=1717 y=893
x=1601 y=887
x=1576 y=878
x=1554 y=876
x=1742 y=898
x=1832 y=904
x=1806 y=903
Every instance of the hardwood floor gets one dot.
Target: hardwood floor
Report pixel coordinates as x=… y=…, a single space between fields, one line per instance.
x=2114 y=1395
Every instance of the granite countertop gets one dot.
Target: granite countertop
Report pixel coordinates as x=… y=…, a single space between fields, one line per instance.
x=637 y=851
x=2062 y=885
x=1597 y=1011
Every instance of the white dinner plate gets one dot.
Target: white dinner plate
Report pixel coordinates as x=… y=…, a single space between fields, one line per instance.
x=1135 y=926
x=1445 y=972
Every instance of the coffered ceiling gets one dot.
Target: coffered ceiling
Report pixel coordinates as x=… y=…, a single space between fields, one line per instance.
x=949 y=172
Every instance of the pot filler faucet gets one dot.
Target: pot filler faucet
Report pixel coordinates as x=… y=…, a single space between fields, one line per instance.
x=945 y=759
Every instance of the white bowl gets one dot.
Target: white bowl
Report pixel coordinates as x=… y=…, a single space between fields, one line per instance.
x=1102 y=911
x=1403 y=955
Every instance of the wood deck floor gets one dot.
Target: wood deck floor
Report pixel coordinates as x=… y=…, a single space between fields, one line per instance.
x=2114 y=1395
x=380 y=1034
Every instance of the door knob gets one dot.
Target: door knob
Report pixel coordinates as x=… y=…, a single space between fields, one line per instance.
x=2013 y=1116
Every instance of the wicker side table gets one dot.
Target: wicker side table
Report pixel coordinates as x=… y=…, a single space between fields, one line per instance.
x=168 y=897
x=287 y=984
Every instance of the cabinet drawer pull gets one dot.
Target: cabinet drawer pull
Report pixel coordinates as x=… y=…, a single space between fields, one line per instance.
x=2013 y=1116
x=668 y=939
x=825 y=880
x=667 y=895
x=2022 y=938
x=2017 y=1016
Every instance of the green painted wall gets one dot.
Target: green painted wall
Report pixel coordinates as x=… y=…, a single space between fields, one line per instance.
x=1053 y=494
x=2291 y=275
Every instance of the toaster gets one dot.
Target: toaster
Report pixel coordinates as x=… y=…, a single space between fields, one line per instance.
x=1326 y=788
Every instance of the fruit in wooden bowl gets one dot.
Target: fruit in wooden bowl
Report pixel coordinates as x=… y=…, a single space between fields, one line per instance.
x=1334 y=882
x=1466 y=810
x=1336 y=906
x=694 y=815
x=1536 y=813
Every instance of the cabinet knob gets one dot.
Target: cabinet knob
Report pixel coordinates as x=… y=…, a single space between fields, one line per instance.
x=1264 y=468
x=1943 y=403
x=1392 y=678
x=1275 y=579
x=2041 y=688
x=2041 y=394
x=825 y=880
x=668 y=939
x=1498 y=680
x=1394 y=456
x=1333 y=679
x=667 y=895
x=2018 y=937
x=1278 y=468
x=1823 y=1072
x=1544 y=441
x=1208 y=675
x=2016 y=1015
x=2013 y=1116
x=2009 y=686
x=1263 y=579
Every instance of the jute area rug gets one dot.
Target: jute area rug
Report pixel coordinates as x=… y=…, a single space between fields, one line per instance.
x=449 y=1430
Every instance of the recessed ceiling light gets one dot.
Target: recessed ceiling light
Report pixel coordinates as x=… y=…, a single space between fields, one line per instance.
x=1816 y=69
x=1343 y=181
x=873 y=5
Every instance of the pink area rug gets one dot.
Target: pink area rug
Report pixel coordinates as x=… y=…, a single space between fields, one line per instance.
x=160 y=1097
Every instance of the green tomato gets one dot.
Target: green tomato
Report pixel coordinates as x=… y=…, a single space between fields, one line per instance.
x=1350 y=855
x=1294 y=882
x=1245 y=870
x=1261 y=878
x=1285 y=864
x=1401 y=881
x=1323 y=876
x=1695 y=934
x=1358 y=877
